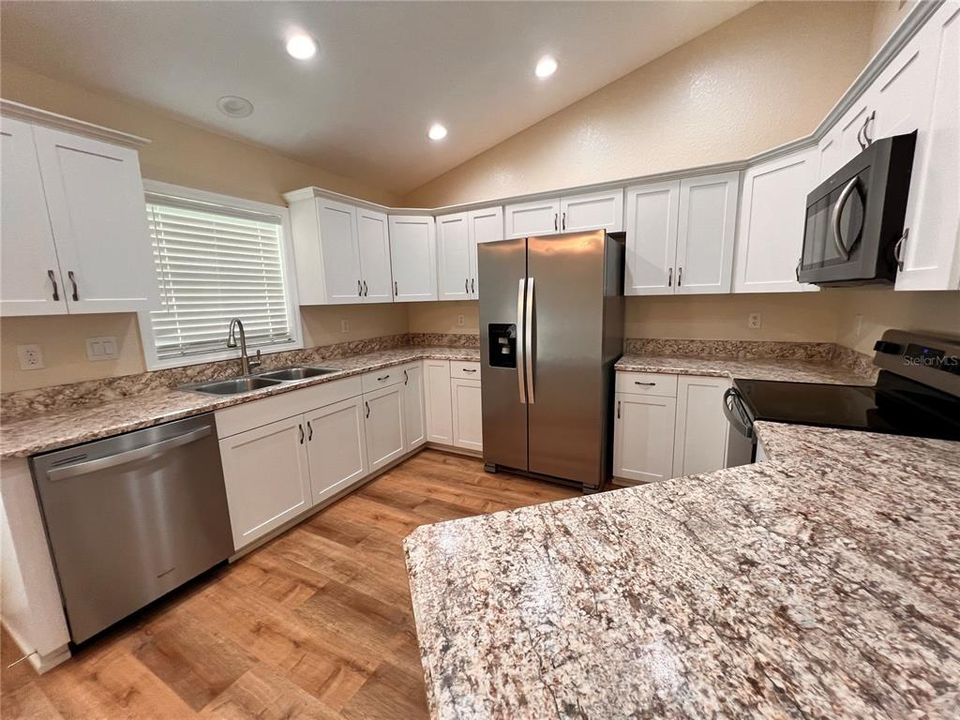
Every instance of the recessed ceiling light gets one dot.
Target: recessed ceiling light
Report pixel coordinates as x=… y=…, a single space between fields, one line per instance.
x=301 y=46
x=235 y=106
x=546 y=66
x=437 y=132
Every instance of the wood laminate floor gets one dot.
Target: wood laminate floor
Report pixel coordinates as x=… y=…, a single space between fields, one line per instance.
x=315 y=624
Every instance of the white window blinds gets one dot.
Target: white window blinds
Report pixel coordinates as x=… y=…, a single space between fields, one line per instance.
x=213 y=264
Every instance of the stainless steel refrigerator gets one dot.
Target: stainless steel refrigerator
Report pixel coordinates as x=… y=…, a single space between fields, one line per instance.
x=551 y=329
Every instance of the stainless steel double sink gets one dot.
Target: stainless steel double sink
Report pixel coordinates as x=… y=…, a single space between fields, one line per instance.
x=234 y=386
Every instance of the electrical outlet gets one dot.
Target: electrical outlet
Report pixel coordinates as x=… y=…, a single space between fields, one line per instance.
x=753 y=321
x=460 y=320
x=102 y=348
x=344 y=326
x=30 y=356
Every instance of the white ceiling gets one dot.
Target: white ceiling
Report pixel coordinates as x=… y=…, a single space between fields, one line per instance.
x=385 y=70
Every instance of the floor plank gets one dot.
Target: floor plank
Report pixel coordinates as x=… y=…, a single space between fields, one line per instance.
x=315 y=624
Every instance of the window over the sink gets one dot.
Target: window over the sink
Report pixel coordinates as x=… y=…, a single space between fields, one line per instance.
x=217 y=258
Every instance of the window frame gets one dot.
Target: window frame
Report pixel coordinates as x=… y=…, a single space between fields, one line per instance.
x=152 y=361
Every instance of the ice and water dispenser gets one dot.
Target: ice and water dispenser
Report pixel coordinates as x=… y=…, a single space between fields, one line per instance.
x=503 y=344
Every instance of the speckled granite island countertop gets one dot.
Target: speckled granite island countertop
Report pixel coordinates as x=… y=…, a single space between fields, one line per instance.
x=753 y=369
x=824 y=582
x=21 y=438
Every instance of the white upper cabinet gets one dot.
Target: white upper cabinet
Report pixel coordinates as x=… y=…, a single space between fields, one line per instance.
x=74 y=214
x=705 y=233
x=30 y=283
x=457 y=238
x=930 y=255
x=591 y=211
x=342 y=252
x=652 y=219
x=373 y=238
x=413 y=252
x=570 y=213
x=680 y=235
x=453 y=257
x=772 y=215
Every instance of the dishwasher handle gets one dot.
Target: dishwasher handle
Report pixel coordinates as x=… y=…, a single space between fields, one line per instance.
x=142 y=453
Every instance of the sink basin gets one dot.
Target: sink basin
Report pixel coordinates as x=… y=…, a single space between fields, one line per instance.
x=232 y=387
x=297 y=373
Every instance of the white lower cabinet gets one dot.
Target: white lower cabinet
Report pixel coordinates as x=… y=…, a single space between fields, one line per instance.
x=414 y=415
x=436 y=387
x=680 y=431
x=700 y=443
x=336 y=447
x=267 y=477
x=467 y=414
x=383 y=421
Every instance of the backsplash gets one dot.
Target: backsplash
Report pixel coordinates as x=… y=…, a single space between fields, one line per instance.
x=740 y=349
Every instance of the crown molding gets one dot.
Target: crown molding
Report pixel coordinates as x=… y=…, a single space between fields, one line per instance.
x=9 y=108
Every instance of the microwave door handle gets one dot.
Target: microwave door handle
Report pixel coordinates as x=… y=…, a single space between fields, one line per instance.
x=837 y=212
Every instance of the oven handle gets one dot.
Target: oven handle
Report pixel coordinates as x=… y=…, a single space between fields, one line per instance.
x=837 y=212
x=737 y=416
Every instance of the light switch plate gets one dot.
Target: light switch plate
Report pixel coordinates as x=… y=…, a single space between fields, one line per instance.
x=102 y=348
x=30 y=357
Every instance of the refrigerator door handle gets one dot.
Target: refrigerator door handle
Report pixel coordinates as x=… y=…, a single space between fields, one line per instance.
x=528 y=341
x=521 y=355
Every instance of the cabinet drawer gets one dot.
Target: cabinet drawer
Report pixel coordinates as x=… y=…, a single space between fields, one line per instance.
x=639 y=383
x=381 y=378
x=465 y=370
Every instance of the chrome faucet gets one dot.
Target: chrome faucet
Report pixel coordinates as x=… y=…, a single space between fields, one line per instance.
x=245 y=362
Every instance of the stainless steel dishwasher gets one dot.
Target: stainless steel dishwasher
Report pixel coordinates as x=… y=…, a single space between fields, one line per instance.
x=130 y=518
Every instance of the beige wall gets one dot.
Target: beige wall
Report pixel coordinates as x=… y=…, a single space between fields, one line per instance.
x=444 y=317
x=765 y=77
x=322 y=324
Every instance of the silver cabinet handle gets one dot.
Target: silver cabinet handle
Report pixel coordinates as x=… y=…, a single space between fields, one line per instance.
x=309 y=432
x=647 y=384
x=473 y=285
x=520 y=343
x=469 y=370
x=383 y=377
x=867 y=140
x=367 y=406
x=670 y=277
x=406 y=377
x=528 y=335
x=837 y=212
x=563 y=222
x=73 y=281
x=466 y=286
x=897 y=249
x=366 y=291
x=300 y=428
x=555 y=224
x=679 y=277
x=53 y=279
x=395 y=290
x=618 y=409
x=796 y=270
x=143 y=453
x=359 y=289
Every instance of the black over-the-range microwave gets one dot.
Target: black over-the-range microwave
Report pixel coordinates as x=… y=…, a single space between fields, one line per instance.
x=854 y=227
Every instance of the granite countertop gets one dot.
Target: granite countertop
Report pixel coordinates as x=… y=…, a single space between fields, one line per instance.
x=823 y=582
x=807 y=371
x=50 y=431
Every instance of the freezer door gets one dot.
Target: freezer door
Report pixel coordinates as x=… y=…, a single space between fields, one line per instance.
x=502 y=272
x=566 y=295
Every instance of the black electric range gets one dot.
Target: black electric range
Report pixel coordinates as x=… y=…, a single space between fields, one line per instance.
x=917 y=393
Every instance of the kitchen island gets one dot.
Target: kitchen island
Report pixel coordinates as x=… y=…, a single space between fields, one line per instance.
x=820 y=583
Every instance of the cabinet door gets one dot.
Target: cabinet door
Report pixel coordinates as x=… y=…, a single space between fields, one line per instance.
x=931 y=251
x=454 y=251
x=30 y=282
x=414 y=414
x=467 y=414
x=702 y=429
x=486 y=225
x=772 y=215
x=373 y=239
x=383 y=420
x=539 y=217
x=99 y=219
x=436 y=385
x=341 y=252
x=267 y=476
x=643 y=437
x=652 y=219
x=591 y=211
x=705 y=234
x=336 y=447
x=413 y=255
